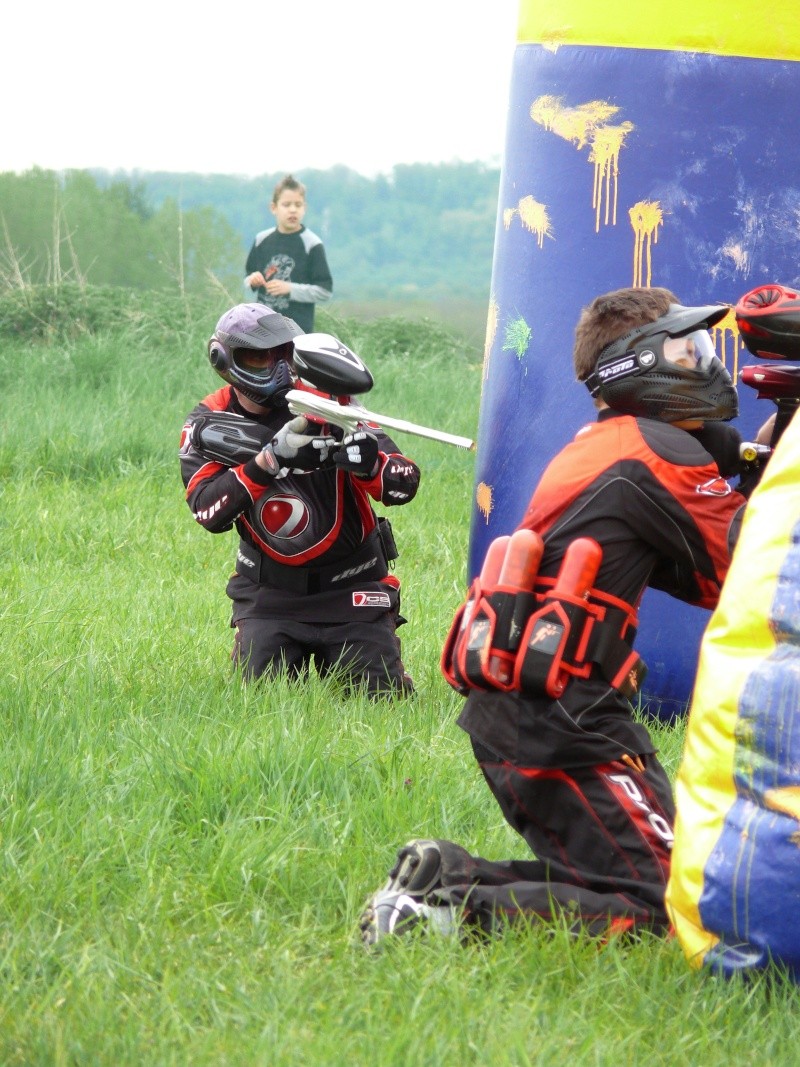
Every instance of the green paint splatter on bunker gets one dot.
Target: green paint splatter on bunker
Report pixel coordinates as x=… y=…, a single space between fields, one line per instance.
x=517 y=337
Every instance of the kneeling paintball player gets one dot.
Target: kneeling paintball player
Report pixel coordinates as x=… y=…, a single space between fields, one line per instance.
x=312 y=574
x=638 y=498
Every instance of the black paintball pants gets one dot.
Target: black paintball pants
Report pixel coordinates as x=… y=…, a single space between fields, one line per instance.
x=362 y=653
x=602 y=838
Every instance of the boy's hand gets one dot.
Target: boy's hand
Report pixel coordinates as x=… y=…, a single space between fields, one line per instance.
x=358 y=454
x=278 y=287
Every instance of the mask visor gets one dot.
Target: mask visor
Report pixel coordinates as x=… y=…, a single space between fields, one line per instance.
x=693 y=351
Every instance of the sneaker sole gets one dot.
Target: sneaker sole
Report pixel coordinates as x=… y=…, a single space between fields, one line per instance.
x=405 y=876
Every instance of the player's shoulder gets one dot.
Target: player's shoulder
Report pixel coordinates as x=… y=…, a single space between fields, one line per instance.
x=672 y=444
x=220 y=400
x=262 y=235
x=309 y=238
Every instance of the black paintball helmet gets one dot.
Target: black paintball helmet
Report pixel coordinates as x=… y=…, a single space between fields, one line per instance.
x=768 y=318
x=638 y=374
x=252 y=349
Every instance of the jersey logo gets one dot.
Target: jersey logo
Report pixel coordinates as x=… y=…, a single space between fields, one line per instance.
x=280 y=267
x=351 y=572
x=714 y=487
x=208 y=513
x=186 y=440
x=659 y=824
x=371 y=600
x=284 y=516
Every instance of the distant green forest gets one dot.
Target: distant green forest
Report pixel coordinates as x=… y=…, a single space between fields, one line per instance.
x=423 y=232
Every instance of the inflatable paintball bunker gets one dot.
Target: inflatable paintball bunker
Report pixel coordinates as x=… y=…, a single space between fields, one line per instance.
x=734 y=891
x=649 y=146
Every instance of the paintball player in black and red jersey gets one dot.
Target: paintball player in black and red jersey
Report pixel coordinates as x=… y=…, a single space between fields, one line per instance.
x=312 y=576
x=576 y=775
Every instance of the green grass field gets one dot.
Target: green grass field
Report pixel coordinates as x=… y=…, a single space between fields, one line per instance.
x=184 y=859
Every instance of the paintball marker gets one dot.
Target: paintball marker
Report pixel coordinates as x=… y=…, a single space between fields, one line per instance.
x=325 y=363
x=768 y=319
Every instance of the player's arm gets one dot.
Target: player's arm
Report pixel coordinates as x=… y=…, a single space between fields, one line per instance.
x=218 y=493
x=320 y=287
x=227 y=463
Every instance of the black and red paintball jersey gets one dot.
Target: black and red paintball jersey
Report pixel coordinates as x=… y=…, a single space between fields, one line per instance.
x=314 y=522
x=654 y=500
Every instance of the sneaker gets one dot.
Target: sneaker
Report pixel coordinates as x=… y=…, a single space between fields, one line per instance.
x=398 y=913
x=417 y=868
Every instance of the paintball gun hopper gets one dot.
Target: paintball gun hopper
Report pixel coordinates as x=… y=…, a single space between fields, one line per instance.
x=768 y=319
x=325 y=363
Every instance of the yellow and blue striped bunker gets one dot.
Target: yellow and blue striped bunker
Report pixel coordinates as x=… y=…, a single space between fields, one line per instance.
x=734 y=892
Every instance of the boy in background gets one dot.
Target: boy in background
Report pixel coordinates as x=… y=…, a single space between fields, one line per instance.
x=286 y=266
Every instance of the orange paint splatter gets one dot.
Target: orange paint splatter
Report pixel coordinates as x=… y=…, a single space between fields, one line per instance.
x=646 y=217
x=728 y=343
x=533 y=216
x=588 y=125
x=483 y=498
x=491 y=331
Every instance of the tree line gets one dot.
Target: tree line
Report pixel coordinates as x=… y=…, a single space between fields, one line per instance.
x=421 y=231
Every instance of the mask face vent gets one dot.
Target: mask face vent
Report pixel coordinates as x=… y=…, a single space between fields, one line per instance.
x=270 y=387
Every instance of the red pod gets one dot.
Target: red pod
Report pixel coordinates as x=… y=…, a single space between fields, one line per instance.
x=493 y=563
x=579 y=568
x=453 y=661
x=513 y=601
x=522 y=558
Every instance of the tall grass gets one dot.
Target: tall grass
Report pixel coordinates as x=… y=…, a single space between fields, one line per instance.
x=184 y=858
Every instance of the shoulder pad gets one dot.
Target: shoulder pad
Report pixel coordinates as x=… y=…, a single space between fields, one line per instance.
x=228 y=438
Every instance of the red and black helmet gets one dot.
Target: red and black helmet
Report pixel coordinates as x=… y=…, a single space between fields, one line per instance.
x=768 y=318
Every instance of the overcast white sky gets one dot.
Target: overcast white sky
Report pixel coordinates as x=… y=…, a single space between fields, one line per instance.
x=253 y=88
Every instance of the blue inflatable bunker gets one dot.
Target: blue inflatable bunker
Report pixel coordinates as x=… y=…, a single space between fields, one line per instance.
x=642 y=148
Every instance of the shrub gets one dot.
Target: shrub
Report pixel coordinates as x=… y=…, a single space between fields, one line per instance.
x=68 y=311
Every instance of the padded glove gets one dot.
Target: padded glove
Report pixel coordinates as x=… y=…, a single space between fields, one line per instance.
x=295 y=449
x=358 y=454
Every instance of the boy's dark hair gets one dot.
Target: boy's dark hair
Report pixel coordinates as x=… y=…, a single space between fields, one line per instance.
x=610 y=316
x=288 y=181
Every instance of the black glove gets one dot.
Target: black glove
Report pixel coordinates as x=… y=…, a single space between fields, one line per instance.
x=358 y=454
x=297 y=450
